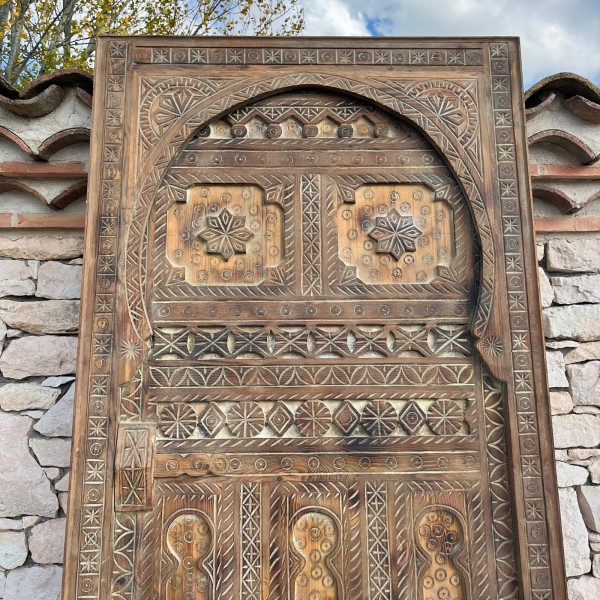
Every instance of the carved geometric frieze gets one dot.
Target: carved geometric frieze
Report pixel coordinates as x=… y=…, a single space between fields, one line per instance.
x=315 y=340
x=224 y=235
x=312 y=419
x=394 y=234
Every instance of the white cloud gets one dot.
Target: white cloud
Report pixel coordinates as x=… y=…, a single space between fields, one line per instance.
x=334 y=18
x=556 y=35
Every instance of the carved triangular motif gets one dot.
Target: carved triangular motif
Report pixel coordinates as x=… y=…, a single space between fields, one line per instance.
x=275 y=194
x=276 y=276
x=348 y=276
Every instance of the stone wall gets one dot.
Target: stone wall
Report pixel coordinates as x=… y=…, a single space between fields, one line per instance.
x=563 y=127
x=39 y=313
x=44 y=133
x=43 y=163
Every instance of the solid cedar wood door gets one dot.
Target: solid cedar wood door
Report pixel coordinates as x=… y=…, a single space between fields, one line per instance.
x=311 y=361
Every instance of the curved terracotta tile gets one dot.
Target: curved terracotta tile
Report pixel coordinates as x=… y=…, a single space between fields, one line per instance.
x=13 y=137
x=61 y=140
x=38 y=106
x=538 y=108
x=70 y=194
x=569 y=83
x=565 y=140
x=9 y=185
x=584 y=108
x=41 y=96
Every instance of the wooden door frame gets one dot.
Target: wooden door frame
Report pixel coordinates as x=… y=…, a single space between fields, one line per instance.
x=508 y=325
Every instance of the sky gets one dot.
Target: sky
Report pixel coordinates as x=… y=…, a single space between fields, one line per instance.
x=556 y=35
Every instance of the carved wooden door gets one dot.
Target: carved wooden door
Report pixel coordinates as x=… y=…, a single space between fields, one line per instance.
x=310 y=365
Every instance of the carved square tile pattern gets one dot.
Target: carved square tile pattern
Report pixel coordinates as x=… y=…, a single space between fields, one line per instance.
x=395 y=234
x=225 y=235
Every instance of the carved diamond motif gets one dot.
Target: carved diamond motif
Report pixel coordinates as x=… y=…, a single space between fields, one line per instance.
x=412 y=417
x=279 y=418
x=395 y=234
x=226 y=234
x=346 y=417
x=212 y=419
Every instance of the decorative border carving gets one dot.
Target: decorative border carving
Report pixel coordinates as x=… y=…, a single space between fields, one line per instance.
x=520 y=375
x=312 y=278
x=497 y=460
x=90 y=477
x=124 y=555
x=378 y=542
x=422 y=57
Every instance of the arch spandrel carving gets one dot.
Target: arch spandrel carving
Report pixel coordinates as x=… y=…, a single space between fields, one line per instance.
x=314 y=279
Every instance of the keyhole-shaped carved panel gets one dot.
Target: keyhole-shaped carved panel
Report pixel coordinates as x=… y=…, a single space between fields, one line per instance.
x=315 y=538
x=440 y=537
x=189 y=540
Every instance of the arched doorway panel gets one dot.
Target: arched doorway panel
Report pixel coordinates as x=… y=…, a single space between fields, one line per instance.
x=184 y=112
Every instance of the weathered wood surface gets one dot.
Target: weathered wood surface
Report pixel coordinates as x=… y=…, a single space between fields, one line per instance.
x=311 y=363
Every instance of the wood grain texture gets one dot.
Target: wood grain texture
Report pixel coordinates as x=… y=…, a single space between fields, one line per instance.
x=312 y=364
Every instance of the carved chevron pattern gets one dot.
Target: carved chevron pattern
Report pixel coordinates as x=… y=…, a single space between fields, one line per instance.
x=404 y=542
x=225 y=543
x=502 y=522
x=124 y=555
x=325 y=375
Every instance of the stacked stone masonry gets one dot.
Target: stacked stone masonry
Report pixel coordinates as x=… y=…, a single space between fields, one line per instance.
x=43 y=167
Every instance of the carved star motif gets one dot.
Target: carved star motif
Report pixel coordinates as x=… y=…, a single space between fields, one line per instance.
x=225 y=234
x=395 y=234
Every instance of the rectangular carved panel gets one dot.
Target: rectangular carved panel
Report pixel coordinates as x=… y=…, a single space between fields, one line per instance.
x=310 y=363
x=133 y=466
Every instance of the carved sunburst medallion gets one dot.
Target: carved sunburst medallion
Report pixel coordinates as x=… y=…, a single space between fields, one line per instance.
x=226 y=234
x=395 y=234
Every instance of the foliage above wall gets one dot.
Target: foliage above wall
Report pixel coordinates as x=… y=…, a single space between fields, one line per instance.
x=41 y=36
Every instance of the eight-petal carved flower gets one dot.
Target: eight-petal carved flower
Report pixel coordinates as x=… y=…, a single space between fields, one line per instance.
x=226 y=234
x=395 y=234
